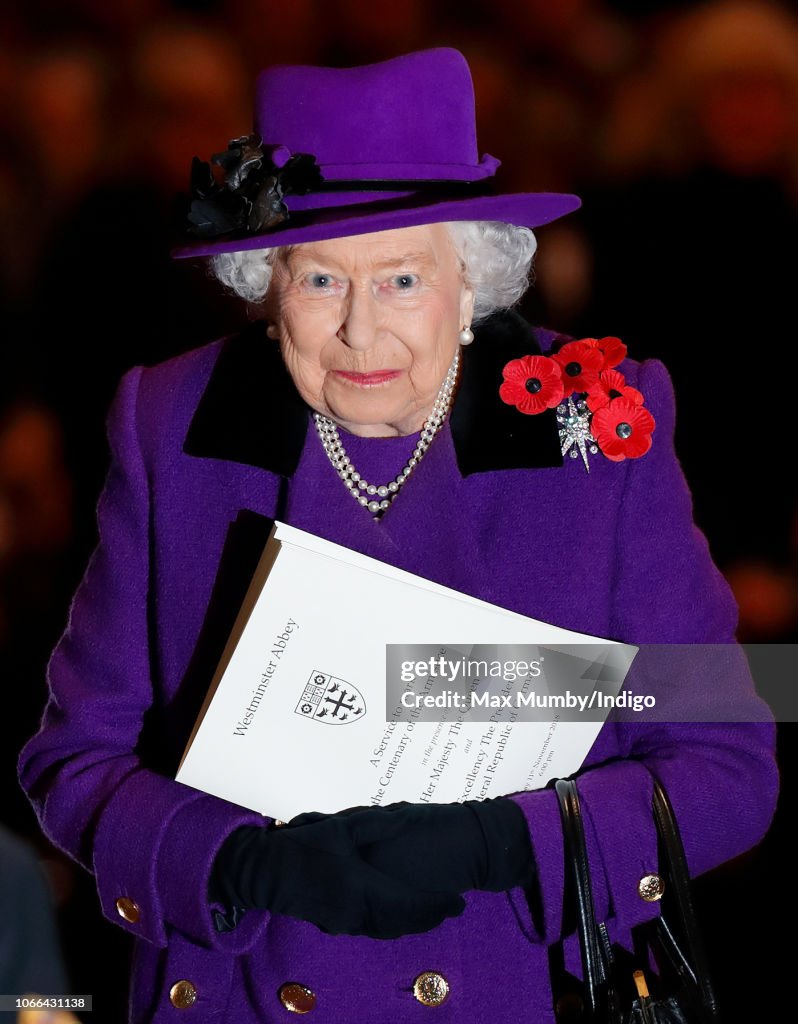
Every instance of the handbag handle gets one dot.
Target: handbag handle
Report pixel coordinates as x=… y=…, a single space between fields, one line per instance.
x=679 y=877
x=595 y=967
x=594 y=942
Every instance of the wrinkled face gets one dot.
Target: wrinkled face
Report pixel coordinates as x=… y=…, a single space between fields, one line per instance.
x=368 y=325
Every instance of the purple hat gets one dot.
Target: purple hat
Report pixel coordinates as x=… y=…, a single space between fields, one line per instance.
x=345 y=151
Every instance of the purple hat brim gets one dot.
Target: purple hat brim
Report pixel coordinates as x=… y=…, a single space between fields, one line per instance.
x=525 y=209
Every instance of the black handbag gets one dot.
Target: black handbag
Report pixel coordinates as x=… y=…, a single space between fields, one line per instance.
x=618 y=986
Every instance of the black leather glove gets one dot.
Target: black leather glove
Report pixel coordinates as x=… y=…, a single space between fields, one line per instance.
x=315 y=871
x=478 y=844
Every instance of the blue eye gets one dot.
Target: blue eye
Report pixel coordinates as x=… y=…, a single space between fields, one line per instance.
x=320 y=280
x=405 y=281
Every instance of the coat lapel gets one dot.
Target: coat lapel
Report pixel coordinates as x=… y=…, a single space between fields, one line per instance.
x=489 y=435
x=250 y=411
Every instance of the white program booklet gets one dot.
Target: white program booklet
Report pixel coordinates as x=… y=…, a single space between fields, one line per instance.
x=299 y=715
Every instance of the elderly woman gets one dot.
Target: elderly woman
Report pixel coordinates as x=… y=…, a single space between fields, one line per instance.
x=387 y=399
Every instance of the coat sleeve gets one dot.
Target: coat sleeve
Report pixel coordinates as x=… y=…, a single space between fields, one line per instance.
x=150 y=841
x=720 y=774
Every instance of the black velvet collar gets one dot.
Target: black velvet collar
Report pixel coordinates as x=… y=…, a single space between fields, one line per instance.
x=250 y=411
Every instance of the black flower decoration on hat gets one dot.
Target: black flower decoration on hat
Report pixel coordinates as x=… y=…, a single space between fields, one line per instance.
x=250 y=197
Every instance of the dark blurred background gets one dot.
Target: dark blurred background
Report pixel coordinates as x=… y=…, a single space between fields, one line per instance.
x=677 y=123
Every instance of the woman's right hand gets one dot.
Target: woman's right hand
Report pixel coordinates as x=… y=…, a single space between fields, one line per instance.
x=315 y=872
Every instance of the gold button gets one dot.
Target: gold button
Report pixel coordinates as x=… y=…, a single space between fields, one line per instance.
x=651 y=888
x=431 y=988
x=182 y=994
x=128 y=909
x=297 y=998
x=279 y=823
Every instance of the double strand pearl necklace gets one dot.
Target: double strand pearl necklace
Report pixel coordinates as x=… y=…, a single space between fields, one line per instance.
x=371 y=496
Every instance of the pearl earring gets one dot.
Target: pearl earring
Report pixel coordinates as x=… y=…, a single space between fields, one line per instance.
x=466 y=336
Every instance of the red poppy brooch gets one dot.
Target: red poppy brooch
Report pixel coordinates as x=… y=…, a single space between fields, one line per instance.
x=596 y=408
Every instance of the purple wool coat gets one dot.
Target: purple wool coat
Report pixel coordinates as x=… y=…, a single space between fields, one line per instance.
x=207 y=449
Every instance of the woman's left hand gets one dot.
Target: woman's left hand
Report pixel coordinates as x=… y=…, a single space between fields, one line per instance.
x=478 y=844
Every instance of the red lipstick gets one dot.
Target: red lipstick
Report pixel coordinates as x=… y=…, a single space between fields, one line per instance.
x=367 y=380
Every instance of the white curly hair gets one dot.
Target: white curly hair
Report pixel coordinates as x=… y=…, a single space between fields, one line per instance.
x=497 y=264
